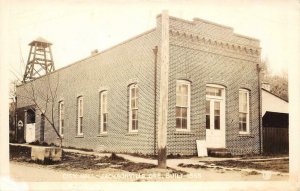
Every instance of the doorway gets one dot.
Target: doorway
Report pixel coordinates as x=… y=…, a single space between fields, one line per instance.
x=215 y=116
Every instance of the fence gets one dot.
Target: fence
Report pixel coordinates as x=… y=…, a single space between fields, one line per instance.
x=275 y=140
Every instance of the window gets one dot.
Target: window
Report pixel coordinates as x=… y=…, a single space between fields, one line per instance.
x=214 y=106
x=133 y=108
x=217 y=114
x=213 y=91
x=30 y=116
x=182 y=105
x=207 y=114
x=79 y=115
x=243 y=111
x=61 y=118
x=103 y=112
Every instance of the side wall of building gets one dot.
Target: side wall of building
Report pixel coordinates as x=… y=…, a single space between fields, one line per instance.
x=112 y=70
x=268 y=101
x=205 y=53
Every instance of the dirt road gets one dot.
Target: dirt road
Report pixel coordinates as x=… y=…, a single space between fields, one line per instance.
x=33 y=172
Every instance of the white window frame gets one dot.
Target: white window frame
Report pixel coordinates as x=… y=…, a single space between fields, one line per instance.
x=61 y=107
x=248 y=112
x=222 y=105
x=102 y=94
x=216 y=86
x=131 y=109
x=79 y=117
x=188 y=83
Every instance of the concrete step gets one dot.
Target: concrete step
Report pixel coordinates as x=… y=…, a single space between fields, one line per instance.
x=218 y=152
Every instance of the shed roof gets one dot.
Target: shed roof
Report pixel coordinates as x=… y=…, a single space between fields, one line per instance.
x=275 y=119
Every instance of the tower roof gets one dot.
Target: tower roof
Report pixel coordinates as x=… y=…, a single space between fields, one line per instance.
x=40 y=40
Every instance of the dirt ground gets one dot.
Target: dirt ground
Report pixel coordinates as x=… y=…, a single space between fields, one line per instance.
x=92 y=166
x=278 y=165
x=78 y=165
x=77 y=161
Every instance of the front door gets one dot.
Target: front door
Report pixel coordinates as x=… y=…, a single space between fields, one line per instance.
x=215 y=117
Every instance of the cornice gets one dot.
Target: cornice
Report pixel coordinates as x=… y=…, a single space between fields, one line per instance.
x=223 y=44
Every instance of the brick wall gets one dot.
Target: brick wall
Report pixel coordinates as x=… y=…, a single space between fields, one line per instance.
x=200 y=51
x=205 y=53
x=112 y=70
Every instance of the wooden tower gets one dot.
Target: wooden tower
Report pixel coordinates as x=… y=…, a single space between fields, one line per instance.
x=40 y=60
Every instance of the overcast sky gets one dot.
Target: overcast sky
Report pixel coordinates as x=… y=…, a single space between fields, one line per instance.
x=77 y=27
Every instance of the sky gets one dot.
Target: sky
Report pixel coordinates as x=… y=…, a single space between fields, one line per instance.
x=77 y=27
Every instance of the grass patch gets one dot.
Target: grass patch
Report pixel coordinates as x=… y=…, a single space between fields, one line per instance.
x=179 y=156
x=196 y=166
x=262 y=156
x=280 y=165
x=38 y=143
x=252 y=173
x=174 y=171
x=19 y=153
x=81 y=149
x=75 y=161
x=170 y=156
x=135 y=167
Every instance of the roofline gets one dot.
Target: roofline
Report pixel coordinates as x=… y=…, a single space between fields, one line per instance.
x=101 y=52
x=212 y=23
x=248 y=37
x=142 y=34
x=274 y=95
x=276 y=112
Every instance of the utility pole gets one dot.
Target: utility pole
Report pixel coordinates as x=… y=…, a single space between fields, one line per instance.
x=163 y=92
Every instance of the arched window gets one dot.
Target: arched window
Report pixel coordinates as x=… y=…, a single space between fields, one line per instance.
x=80 y=115
x=244 y=111
x=133 y=108
x=103 y=113
x=61 y=117
x=183 y=94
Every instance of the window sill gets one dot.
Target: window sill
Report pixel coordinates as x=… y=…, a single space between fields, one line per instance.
x=246 y=135
x=79 y=136
x=131 y=133
x=102 y=135
x=214 y=129
x=184 y=132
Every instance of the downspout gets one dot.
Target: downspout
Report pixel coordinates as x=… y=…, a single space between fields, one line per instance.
x=259 y=108
x=155 y=50
x=16 y=121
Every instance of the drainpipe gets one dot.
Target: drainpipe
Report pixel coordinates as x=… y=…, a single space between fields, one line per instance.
x=25 y=123
x=16 y=120
x=155 y=97
x=259 y=108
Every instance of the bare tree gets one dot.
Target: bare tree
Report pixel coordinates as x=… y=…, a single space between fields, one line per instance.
x=12 y=90
x=42 y=95
x=12 y=110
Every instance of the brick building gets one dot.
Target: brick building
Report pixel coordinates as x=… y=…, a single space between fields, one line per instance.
x=109 y=101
